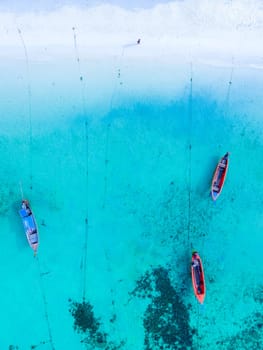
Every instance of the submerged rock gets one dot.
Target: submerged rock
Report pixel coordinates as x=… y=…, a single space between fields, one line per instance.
x=85 y=320
x=249 y=337
x=166 y=319
x=90 y=327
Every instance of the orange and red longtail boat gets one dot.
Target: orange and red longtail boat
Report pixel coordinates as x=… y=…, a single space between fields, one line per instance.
x=198 y=277
x=219 y=177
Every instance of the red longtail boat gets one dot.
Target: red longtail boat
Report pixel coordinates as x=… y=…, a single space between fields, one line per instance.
x=219 y=177
x=198 y=278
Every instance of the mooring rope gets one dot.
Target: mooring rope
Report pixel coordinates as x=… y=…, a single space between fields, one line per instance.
x=189 y=185
x=44 y=299
x=189 y=228
x=29 y=108
x=106 y=157
x=198 y=323
x=86 y=154
x=229 y=86
x=81 y=78
x=106 y=161
x=85 y=246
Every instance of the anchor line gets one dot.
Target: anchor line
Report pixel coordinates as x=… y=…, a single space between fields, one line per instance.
x=189 y=185
x=229 y=86
x=106 y=161
x=113 y=306
x=198 y=323
x=106 y=157
x=29 y=107
x=86 y=153
x=224 y=114
x=190 y=178
x=44 y=299
x=79 y=72
x=85 y=246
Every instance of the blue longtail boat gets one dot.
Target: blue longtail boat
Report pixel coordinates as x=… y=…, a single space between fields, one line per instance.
x=30 y=225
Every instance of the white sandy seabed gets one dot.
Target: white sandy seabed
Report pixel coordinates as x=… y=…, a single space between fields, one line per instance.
x=205 y=30
x=175 y=38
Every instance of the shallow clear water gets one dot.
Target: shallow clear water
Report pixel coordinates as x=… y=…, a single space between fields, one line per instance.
x=113 y=148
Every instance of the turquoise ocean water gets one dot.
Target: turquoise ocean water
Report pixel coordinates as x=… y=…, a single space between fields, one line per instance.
x=116 y=159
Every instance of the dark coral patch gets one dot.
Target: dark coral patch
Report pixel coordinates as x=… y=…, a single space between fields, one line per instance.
x=258 y=294
x=166 y=319
x=90 y=327
x=84 y=319
x=250 y=336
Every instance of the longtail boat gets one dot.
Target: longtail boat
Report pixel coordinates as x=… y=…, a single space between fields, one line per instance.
x=198 y=278
x=30 y=225
x=219 y=177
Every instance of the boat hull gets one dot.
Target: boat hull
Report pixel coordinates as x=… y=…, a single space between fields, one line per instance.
x=219 y=177
x=30 y=225
x=198 y=278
